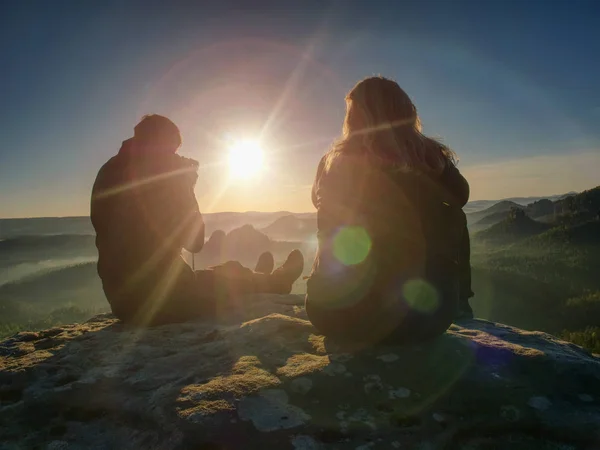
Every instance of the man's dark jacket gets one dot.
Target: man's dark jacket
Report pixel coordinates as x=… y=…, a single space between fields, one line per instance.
x=144 y=212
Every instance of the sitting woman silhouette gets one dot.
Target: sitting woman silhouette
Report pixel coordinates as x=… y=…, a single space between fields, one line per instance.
x=393 y=257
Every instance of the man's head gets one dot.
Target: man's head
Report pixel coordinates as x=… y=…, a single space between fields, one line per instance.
x=158 y=132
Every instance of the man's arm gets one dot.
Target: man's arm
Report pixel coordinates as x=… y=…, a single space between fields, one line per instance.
x=177 y=210
x=193 y=236
x=194 y=229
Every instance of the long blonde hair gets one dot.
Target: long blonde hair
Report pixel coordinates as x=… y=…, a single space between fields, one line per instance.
x=382 y=123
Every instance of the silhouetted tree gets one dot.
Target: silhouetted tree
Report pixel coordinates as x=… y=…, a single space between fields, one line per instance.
x=516 y=214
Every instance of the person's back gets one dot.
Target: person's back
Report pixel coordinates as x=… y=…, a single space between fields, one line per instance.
x=144 y=211
x=389 y=239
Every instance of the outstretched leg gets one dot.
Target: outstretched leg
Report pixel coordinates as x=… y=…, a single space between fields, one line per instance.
x=232 y=279
x=198 y=297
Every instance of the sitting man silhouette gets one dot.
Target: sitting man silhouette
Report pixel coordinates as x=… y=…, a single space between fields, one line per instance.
x=393 y=261
x=144 y=211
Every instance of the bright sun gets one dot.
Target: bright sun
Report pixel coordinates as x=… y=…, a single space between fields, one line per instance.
x=245 y=158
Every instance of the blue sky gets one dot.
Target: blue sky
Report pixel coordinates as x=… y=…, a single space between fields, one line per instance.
x=511 y=86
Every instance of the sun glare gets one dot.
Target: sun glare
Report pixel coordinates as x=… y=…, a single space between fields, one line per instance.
x=245 y=158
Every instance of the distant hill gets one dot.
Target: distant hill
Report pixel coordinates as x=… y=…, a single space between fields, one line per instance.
x=487 y=222
x=583 y=206
x=527 y=200
x=541 y=208
x=502 y=207
x=568 y=208
x=228 y=221
x=573 y=209
x=244 y=244
x=585 y=234
x=516 y=226
x=480 y=205
x=491 y=219
x=47 y=226
x=246 y=239
x=291 y=228
x=34 y=296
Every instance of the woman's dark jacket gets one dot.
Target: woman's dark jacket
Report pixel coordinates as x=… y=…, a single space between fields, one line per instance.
x=144 y=211
x=408 y=280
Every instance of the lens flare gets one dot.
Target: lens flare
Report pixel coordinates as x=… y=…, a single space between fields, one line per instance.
x=421 y=296
x=351 y=245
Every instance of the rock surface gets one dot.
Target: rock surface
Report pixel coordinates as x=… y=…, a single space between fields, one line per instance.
x=262 y=378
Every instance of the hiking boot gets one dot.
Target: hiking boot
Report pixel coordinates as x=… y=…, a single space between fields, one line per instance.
x=283 y=277
x=265 y=263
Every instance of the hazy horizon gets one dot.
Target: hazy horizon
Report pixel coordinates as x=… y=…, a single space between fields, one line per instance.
x=509 y=85
x=313 y=211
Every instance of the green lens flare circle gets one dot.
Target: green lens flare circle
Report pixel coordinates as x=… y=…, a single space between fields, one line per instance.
x=421 y=296
x=351 y=245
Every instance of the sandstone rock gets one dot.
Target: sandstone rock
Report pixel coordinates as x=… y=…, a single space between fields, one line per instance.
x=261 y=378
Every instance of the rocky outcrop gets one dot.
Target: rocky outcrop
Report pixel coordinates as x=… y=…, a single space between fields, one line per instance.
x=246 y=240
x=244 y=244
x=261 y=378
x=292 y=228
